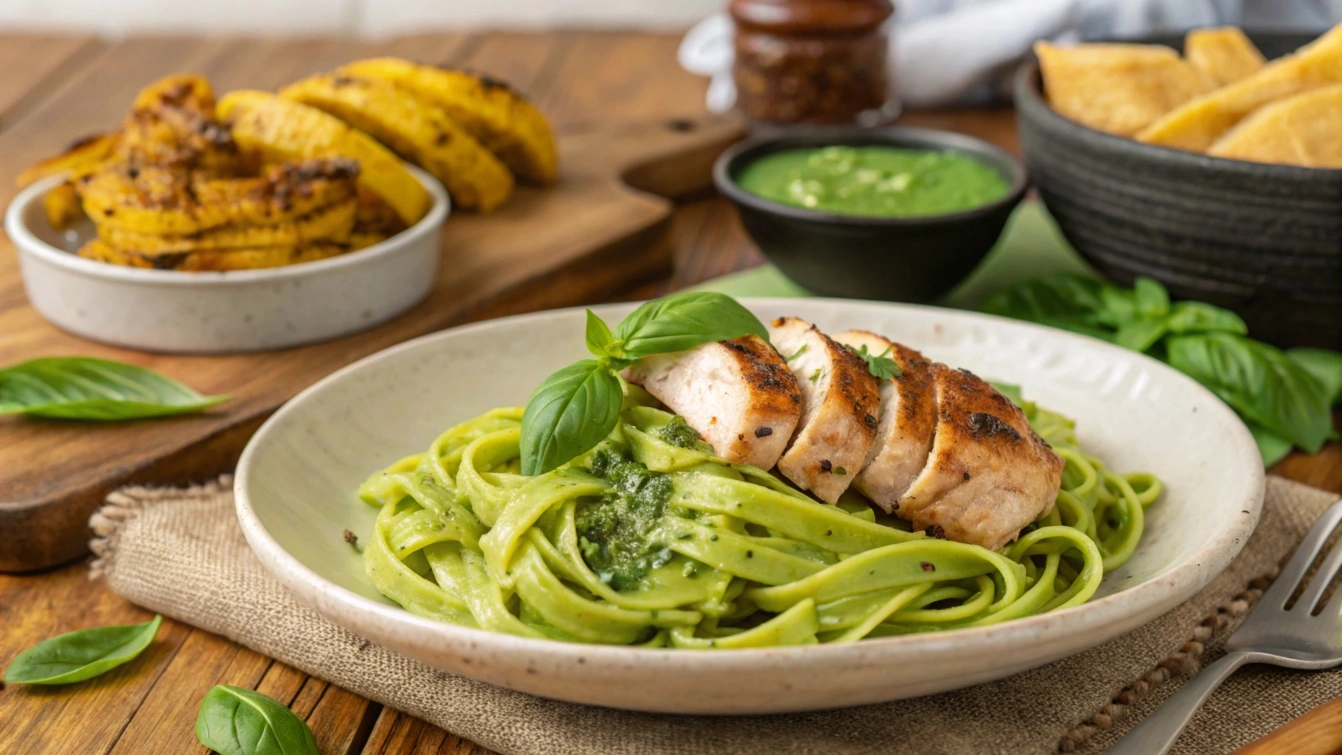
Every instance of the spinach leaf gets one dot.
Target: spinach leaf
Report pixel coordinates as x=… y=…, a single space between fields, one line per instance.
x=1325 y=366
x=569 y=413
x=1259 y=382
x=239 y=721
x=684 y=321
x=1070 y=302
x=79 y=655
x=94 y=389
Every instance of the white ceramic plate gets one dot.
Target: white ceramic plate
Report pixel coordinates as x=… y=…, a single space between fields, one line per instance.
x=220 y=312
x=296 y=481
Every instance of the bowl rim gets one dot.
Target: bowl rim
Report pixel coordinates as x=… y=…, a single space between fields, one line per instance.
x=28 y=242
x=916 y=138
x=1182 y=578
x=1028 y=97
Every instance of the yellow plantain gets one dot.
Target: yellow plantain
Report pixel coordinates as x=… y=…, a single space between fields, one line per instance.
x=332 y=223
x=489 y=110
x=84 y=156
x=415 y=130
x=214 y=260
x=278 y=130
x=151 y=199
x=172 y=123
x=62 y=206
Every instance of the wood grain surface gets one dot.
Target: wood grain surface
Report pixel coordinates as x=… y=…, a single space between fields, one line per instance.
x=584 y=79
x=584 y=240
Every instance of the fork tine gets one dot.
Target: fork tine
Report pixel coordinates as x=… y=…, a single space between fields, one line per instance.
x=1294 y=570
x=1322 y=578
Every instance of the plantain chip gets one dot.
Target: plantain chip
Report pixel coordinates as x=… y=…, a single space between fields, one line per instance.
x=277 y=130
x=1198 y=123
x=1222 y=55
x=491 y=111
x=214 y=260
x=83 y=156
x=62 y=206
x=1302 y=130
x=415 y=130
x=1118 y=88
x=152 y=199
x=332 y=223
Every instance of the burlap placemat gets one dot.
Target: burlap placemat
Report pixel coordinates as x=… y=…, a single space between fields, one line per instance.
x=181 y=553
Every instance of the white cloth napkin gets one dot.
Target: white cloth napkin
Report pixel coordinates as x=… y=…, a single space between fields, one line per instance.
x=945 y=51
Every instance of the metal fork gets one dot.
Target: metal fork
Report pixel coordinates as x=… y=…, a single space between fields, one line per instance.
x=1271 y=633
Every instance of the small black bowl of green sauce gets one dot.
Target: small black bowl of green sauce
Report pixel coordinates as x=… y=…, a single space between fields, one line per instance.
x=897 y=214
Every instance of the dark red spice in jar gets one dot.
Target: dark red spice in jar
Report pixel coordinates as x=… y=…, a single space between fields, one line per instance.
x=812 y=61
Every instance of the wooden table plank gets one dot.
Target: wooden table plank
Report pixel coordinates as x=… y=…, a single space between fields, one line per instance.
x=622 y=77
x=34 y=66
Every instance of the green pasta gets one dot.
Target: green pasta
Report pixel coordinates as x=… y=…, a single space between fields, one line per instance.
x=649 y=539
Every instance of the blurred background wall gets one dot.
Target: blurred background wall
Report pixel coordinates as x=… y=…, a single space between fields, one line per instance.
x=363 y=17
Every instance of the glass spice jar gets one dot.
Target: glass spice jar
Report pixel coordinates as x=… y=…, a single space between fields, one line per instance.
x=812 y=61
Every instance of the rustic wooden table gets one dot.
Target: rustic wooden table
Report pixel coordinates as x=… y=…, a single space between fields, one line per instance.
x=578 y=78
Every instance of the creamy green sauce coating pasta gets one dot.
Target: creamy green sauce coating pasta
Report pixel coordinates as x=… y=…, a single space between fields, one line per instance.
x=651 y=540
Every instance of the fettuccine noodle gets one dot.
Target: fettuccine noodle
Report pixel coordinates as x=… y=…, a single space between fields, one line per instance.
x=645 y=542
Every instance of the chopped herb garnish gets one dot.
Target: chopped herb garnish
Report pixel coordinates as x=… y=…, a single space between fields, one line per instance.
x=882 y=367
x=815 y=376
x=796 y=353
x=840 y=470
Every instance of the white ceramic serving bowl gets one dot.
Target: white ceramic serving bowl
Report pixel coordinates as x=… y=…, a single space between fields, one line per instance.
x=221 y=312
x=297 y=478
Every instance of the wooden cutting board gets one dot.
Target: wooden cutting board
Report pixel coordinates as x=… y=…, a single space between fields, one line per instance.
x=604 y=228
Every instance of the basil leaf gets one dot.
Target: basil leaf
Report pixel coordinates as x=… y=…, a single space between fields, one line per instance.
x=1150 y=298
x=1140 y=335
x=82 y=654
x=568 y=414
x=1070 y=302
x=1010 y=390
x=1198 y=317
x=1119 y=306
x=94 y=389
x=1259 y=382
x=1272 y=447
x=239 y=721
x=1325 y=366
x=683 y=321
x=599 y=338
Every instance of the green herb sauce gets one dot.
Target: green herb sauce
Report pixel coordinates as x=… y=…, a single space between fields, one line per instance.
x=678 y=433
x=873 y=181
x=614 y=531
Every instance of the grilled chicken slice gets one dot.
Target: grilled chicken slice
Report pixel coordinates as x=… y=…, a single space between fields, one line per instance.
x=840 y=400
x=988 y=474
x=738 y=394
x=906 y=423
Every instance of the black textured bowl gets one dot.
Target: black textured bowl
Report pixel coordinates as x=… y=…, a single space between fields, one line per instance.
x=895 y=259
x=1262 y=240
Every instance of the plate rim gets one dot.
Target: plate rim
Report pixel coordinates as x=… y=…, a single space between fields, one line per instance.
x=1182 y=579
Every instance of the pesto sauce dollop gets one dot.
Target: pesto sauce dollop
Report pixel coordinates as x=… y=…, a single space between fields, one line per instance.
x=873 y=181
x=678 y=433
x=614 y=531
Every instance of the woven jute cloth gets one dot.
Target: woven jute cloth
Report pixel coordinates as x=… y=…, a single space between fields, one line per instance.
x=181 y=553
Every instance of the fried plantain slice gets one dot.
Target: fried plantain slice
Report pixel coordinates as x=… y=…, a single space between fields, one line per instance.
x=214 y=260
x=415 y=130
x=172 y=123
x=62 y=206
x=83 y=156
x=276 y=130
x=152 y=199
x=332 y=223
x=491 y=111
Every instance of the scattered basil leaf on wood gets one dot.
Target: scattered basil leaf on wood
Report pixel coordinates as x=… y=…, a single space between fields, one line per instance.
x=82 y=654
x=94 y=389
x=1283 y=397
x=239 y=721
x=577 y=407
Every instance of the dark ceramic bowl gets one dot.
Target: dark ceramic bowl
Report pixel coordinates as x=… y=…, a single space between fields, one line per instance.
x=1262 y=240
x=895 y=259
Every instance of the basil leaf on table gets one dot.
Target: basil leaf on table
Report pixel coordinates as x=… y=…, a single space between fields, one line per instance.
x=1325 y=366
x=1069 y=302
x=1198 y=317
x=570 y=412
x=1272 y=447
x=239 y=721
x=1258 y=381
x=683 y=321
x=1150 y=299
x=82 y=654
x=94 y=389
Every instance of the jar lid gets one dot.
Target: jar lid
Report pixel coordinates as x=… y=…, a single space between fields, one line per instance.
x=803 y=16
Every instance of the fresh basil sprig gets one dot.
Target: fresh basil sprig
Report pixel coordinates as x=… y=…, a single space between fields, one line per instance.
x=881 y=366
x=82 y=654
x=240 y=721
x=577 y=407
x=1284 y=397
x=94 y=389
